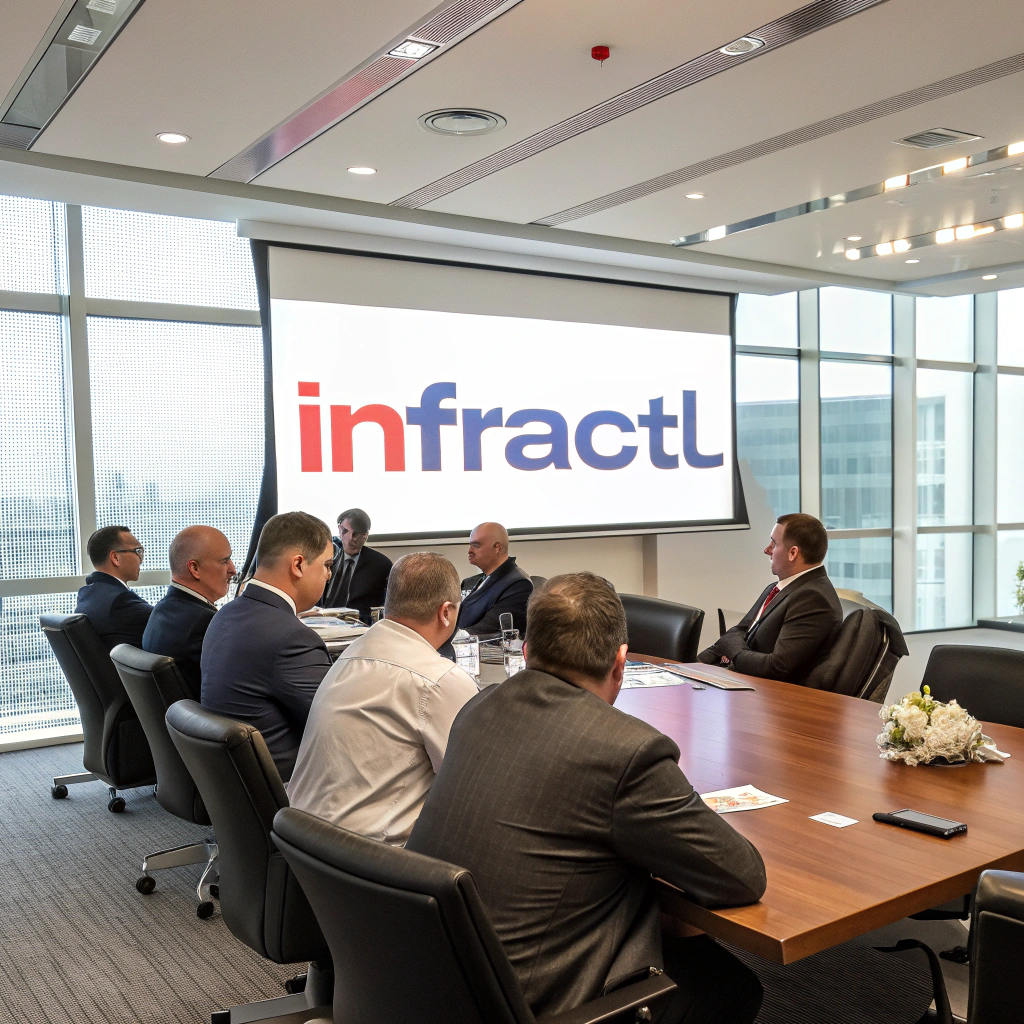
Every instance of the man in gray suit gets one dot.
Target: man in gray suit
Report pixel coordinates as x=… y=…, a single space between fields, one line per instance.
x=563 y=808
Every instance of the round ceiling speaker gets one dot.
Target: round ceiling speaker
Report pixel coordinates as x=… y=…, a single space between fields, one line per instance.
x=462 y=121
x=743 y=45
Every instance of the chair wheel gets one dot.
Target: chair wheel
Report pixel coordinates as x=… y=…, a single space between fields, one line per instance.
x=204 y=910
x=215 y=891
x=58 y=792
x=116 y=805
x=146 y=884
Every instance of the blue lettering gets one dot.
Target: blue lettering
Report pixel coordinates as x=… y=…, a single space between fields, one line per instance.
x=690 y=453
x=474 y=423
x=430 y=417
x=585 y=440
x=557 y=439
x=656 y=421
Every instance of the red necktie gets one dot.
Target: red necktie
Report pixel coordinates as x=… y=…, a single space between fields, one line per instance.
x=768 y=600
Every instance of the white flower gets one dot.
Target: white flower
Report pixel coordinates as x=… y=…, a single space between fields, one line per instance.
x=914 y=722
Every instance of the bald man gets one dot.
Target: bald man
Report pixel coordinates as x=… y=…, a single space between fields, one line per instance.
x=501 y=585
x=201 y=570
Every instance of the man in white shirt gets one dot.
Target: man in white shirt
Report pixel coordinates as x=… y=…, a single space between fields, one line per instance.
x=379 y=723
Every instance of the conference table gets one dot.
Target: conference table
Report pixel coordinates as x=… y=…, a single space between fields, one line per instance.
x=818 y=751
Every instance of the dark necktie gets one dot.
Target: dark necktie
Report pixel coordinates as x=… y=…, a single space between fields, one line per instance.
x=346 y=581
x=768 y=600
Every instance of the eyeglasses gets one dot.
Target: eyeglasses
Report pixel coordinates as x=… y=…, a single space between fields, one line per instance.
x=134 y=551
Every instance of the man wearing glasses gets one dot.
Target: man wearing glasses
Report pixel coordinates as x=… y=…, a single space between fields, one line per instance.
x=118 y=615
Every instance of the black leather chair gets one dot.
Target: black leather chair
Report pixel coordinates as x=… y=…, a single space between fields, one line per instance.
x=988 y=681
x=538 y=581
x=116 y=750
x=411 y=940
x=662 y=628
x=260 y=900
x=154 y=683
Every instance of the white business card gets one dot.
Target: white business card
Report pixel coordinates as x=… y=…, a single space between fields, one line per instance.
x=833 y=819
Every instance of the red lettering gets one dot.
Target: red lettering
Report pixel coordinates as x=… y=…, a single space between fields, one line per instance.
x=343 y=419
x=309 y=389
x=309 y=439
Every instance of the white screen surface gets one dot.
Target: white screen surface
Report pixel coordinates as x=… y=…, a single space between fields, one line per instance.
x=435 y=420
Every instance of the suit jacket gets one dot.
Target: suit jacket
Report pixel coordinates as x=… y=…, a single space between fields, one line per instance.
x=788 y=640
x=262 y=665
x=369 y=582
x=563 y=808
x=176 y=630
x=118 y=614
x=507 y=589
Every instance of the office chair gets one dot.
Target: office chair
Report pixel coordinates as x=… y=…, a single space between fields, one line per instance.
x=988 y=681
x=154 y=683
x=260 y=900
x=411 y=940
x=115 y=751
x=538 y=581
x=662 y=628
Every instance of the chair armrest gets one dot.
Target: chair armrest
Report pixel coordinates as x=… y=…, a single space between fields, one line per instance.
x=1001 y=892
x=620 y=1004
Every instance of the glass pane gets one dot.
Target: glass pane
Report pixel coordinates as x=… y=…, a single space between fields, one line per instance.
x=1010 y=462
x=945 y=457
x=768 y=426
x=945 y=328
x=864 y=565
x=31 y=246
x=177 y=428
x=37 y=511
x=851 y=320
x=33 y=691
x=1011 y=327
x=944 y=580
x=767 y=320
x=856 y=445
x=1009 y=558
x=150 y=258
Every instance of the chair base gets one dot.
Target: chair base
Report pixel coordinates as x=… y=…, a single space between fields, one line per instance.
x=181 y=856
x=59 y=789
x=313 y=1003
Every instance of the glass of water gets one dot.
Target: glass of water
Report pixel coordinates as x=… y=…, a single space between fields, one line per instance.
x=376 y=613
x=467 y=654
x=512 y=649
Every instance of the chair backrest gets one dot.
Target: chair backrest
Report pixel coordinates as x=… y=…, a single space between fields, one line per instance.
x=154 y=683
x=260 y=900
x=538 y=581
x=410 y=939
x=997 y=945
x=116 y=749
x=662 y=628
x=860 y=659
x=988 y=681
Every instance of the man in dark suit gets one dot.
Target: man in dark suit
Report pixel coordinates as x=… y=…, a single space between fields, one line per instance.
x=563 y=808
x=360 y=576
x=118 y=614
x=201 y=570
x=260 y=663
x=790 y=624
x=500 y=586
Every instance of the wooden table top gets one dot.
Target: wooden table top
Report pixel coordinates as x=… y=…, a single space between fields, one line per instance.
x=817 y=749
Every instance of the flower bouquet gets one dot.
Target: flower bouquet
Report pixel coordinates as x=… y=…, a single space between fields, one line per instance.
x=922 y=730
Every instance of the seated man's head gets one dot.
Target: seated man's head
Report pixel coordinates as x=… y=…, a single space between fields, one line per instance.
x=488 y=547
x=576 y=630
x=116 y=550
x=200 y=558
x=423 y=594
x=294 y=554
x=798 y=542
x=353 y=529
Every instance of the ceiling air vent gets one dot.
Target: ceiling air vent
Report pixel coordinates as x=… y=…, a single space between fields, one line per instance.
x=936 y=138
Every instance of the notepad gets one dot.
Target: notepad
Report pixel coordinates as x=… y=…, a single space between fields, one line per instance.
x=709 y=678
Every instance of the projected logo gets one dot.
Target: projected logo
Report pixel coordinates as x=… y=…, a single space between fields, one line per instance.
x=550 y=448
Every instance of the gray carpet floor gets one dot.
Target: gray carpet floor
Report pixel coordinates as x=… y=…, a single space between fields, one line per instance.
x=79 y=944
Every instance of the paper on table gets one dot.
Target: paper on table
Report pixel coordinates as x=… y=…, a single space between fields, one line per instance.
x=833 y=819
x=740 y=798
x=632 y=679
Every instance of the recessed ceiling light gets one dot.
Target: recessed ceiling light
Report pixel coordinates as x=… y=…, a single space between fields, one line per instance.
x=883 y=249
x=854 y=238
x=954 y=165
x=461 y=121
x=989 y=277
x=741 y=46
x=1015 y=148
x=362 y=170
x=172 y=138
x=1014 y=220
x=853 y=254
x=900 y=245
x=965 y=231
x=694 y=195
x=944 y=235
x=913 y=261
x=412 y=49
x=716 y=233
x=899 y=181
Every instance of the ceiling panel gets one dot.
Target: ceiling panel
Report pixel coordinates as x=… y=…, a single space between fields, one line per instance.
x=24 y=26
x=532 y=66
x=221 y=73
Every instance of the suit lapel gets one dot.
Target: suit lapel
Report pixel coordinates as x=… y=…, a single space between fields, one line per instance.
x=785 y=593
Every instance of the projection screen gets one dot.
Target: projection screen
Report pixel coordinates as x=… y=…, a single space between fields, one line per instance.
x=439 y=396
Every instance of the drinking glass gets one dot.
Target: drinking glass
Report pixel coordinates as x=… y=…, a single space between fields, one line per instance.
x=467 y=654
x=376 y=613
x=512 y=649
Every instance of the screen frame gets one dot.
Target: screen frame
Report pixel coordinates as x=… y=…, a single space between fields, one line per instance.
x=738 y=521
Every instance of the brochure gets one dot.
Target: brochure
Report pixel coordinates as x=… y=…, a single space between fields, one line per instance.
x=740 y=798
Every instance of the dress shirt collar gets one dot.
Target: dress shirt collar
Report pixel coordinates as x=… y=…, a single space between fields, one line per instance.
x=194 y=593
x=273 y=590
x=782 y=584
x=102 y=577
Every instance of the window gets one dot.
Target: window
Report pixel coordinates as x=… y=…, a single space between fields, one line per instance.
x=768 y=320
x=945 y=328
x=37 y=507
x=851 y=320
x=944 y=580
x=31 y=246
x=177 y=413
x=1010 y=427
x=1011 y=327
x=862 y=564
x=768 y=427
x=945 y=416
x=1009 y=557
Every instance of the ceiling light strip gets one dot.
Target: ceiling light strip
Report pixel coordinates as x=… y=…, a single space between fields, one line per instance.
x=820 y=129
x=440 y=30
x=944 y=236
x=856 y=195
x=787 y=29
